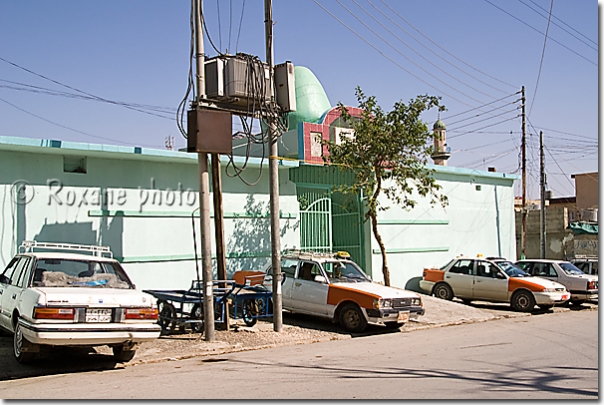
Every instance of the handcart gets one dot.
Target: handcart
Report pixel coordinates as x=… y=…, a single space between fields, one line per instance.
x=184 y=308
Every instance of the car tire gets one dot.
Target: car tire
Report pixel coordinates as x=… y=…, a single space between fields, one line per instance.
x=250 y=310
x=123 y=355
x=443 y=291
x=352 y=318
x=167 y=316
x=19 y=342
x=523 y=301
x=393 y=325
x=197 y=314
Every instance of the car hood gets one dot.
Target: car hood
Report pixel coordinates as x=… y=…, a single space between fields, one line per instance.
x=97 y=297
x=540 y=281
x=378 y=289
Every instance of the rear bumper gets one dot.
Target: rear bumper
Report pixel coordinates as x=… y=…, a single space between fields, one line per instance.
x=89 y=334
x=584 y=295
x=426 y=286
x=382 y=316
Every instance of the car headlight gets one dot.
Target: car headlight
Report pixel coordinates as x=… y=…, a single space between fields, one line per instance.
x=416 y=302
x=382 y=303
x=549 y=290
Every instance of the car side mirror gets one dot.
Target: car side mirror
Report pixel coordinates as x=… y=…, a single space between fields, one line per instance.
x=320 y=279
x=4 y=279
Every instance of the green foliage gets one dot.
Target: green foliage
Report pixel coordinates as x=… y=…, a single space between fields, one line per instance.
x=393 y=146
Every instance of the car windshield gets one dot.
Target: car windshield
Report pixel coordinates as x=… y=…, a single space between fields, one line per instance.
x=79 y=273
x=342 y=271
x=448 y=263
x=570 y=268
x=511 y=269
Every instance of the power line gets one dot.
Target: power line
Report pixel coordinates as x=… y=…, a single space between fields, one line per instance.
x=402 y=54
x=542 y=55
x=595 y=43
x=485 y=119
x=483 y=105
x=535 y=29
x=240 y=23
x=562 y=28
x=488 y=126
x=478 y=115
x=75 y=89
x=443 y=49
x=385 y=56
x=416 y=52
x=64 y=126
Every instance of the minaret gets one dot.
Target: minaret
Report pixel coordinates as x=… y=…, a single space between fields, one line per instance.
x=441 y=151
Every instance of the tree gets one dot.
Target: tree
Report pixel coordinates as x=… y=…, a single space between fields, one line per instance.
x=388 y=154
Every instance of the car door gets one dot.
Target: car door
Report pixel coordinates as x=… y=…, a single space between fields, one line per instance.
x=288 y=270
x=12 y=291
x=461 y=277
x=490 y=283
x=308 y=295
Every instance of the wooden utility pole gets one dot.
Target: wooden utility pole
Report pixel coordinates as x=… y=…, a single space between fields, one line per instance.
x=273 y=174
x=524 y=211
x=542 y=186
x=204 y=187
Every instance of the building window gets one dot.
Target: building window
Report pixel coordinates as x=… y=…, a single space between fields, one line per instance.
x=74 y=164
x=316 y=145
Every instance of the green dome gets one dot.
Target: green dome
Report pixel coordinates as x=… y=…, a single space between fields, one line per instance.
x=311 y=100
x=439 y=125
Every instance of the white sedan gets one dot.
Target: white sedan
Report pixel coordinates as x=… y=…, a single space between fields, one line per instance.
x=49 y=296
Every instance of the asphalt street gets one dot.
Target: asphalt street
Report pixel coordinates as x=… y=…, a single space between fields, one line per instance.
x=535 y=357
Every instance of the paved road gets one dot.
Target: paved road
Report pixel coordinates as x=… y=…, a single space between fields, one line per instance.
x=536 y=357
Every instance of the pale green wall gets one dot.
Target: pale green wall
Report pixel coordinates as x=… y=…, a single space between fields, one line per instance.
x=155 y=241
x=474 y=222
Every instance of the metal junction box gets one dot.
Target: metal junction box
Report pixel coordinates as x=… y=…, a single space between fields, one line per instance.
x=209 y=131
x=285 y=84
x=237 y=80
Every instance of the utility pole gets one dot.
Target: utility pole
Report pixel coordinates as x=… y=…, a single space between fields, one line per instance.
x=524 y=212
x=273 y=174
x=542 y=184
x=204 y=187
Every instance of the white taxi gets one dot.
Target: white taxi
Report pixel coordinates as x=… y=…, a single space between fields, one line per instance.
x=50 y=295
x=492 y=279
x=333 y=286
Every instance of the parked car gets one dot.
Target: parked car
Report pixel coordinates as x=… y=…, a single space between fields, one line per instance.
x=50 y=295
x=582 y=287
x=492 y=279
x=588 y=264
x=333 y=286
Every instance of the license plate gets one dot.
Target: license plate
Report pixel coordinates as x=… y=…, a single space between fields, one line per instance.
x=403 y=316
x=98 y=315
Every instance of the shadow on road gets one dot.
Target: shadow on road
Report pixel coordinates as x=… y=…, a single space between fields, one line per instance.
x=60 y=360
x=326 y=325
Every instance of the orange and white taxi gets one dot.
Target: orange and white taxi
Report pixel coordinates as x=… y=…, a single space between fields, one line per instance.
x=333 y=286
x=492 y=279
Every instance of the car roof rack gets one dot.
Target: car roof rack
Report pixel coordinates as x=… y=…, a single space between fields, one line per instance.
x=584 y=257
x=310 y=254
x=30 y=246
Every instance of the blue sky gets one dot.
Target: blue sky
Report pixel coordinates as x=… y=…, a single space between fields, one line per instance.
x=474 y=53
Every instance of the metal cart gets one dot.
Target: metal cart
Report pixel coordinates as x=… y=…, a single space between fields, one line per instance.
x=184 y=308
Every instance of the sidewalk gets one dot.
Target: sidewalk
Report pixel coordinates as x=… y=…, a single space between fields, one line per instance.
x=301 y=329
